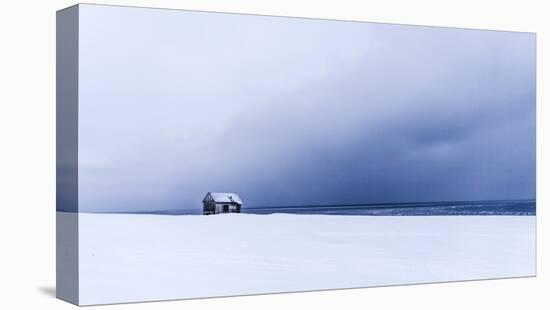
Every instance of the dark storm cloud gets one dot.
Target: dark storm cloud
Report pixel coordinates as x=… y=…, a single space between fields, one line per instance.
x=412 y=136
x=290 y=111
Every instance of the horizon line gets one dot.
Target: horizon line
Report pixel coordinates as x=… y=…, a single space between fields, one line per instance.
x=381 y=205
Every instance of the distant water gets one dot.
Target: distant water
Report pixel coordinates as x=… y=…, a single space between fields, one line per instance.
x=502 y=207
x=516 y=207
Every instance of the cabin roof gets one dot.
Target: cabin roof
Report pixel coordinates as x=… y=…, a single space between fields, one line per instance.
x=224 y=198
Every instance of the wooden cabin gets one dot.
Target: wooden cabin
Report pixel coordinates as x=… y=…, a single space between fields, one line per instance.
x=214 y=203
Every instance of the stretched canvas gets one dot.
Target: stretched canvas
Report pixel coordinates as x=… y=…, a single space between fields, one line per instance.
x=206 y=154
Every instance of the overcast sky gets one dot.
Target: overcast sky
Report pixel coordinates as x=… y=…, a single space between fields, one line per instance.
x=287 y=111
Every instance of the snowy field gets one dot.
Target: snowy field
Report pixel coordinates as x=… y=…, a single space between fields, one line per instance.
x=153 y=257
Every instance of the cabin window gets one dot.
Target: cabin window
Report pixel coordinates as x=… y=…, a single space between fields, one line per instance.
x=225 y=208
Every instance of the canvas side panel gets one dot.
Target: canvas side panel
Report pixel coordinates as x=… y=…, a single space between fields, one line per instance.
x=67 y=154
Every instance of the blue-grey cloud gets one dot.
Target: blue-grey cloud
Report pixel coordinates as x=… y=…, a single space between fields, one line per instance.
x=290 y=111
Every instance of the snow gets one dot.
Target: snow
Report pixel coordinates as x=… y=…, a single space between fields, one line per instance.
x=225 y=198
x=127 y=257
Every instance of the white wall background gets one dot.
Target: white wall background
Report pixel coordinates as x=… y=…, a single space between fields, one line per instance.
x=27 y=153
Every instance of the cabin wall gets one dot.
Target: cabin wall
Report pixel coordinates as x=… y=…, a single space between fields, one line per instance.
x=219 y=207
x=209 y=206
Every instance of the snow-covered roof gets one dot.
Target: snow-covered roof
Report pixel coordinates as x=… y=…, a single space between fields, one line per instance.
x=225 y=197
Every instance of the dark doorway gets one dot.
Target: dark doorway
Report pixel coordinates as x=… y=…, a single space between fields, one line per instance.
x=225 y=208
